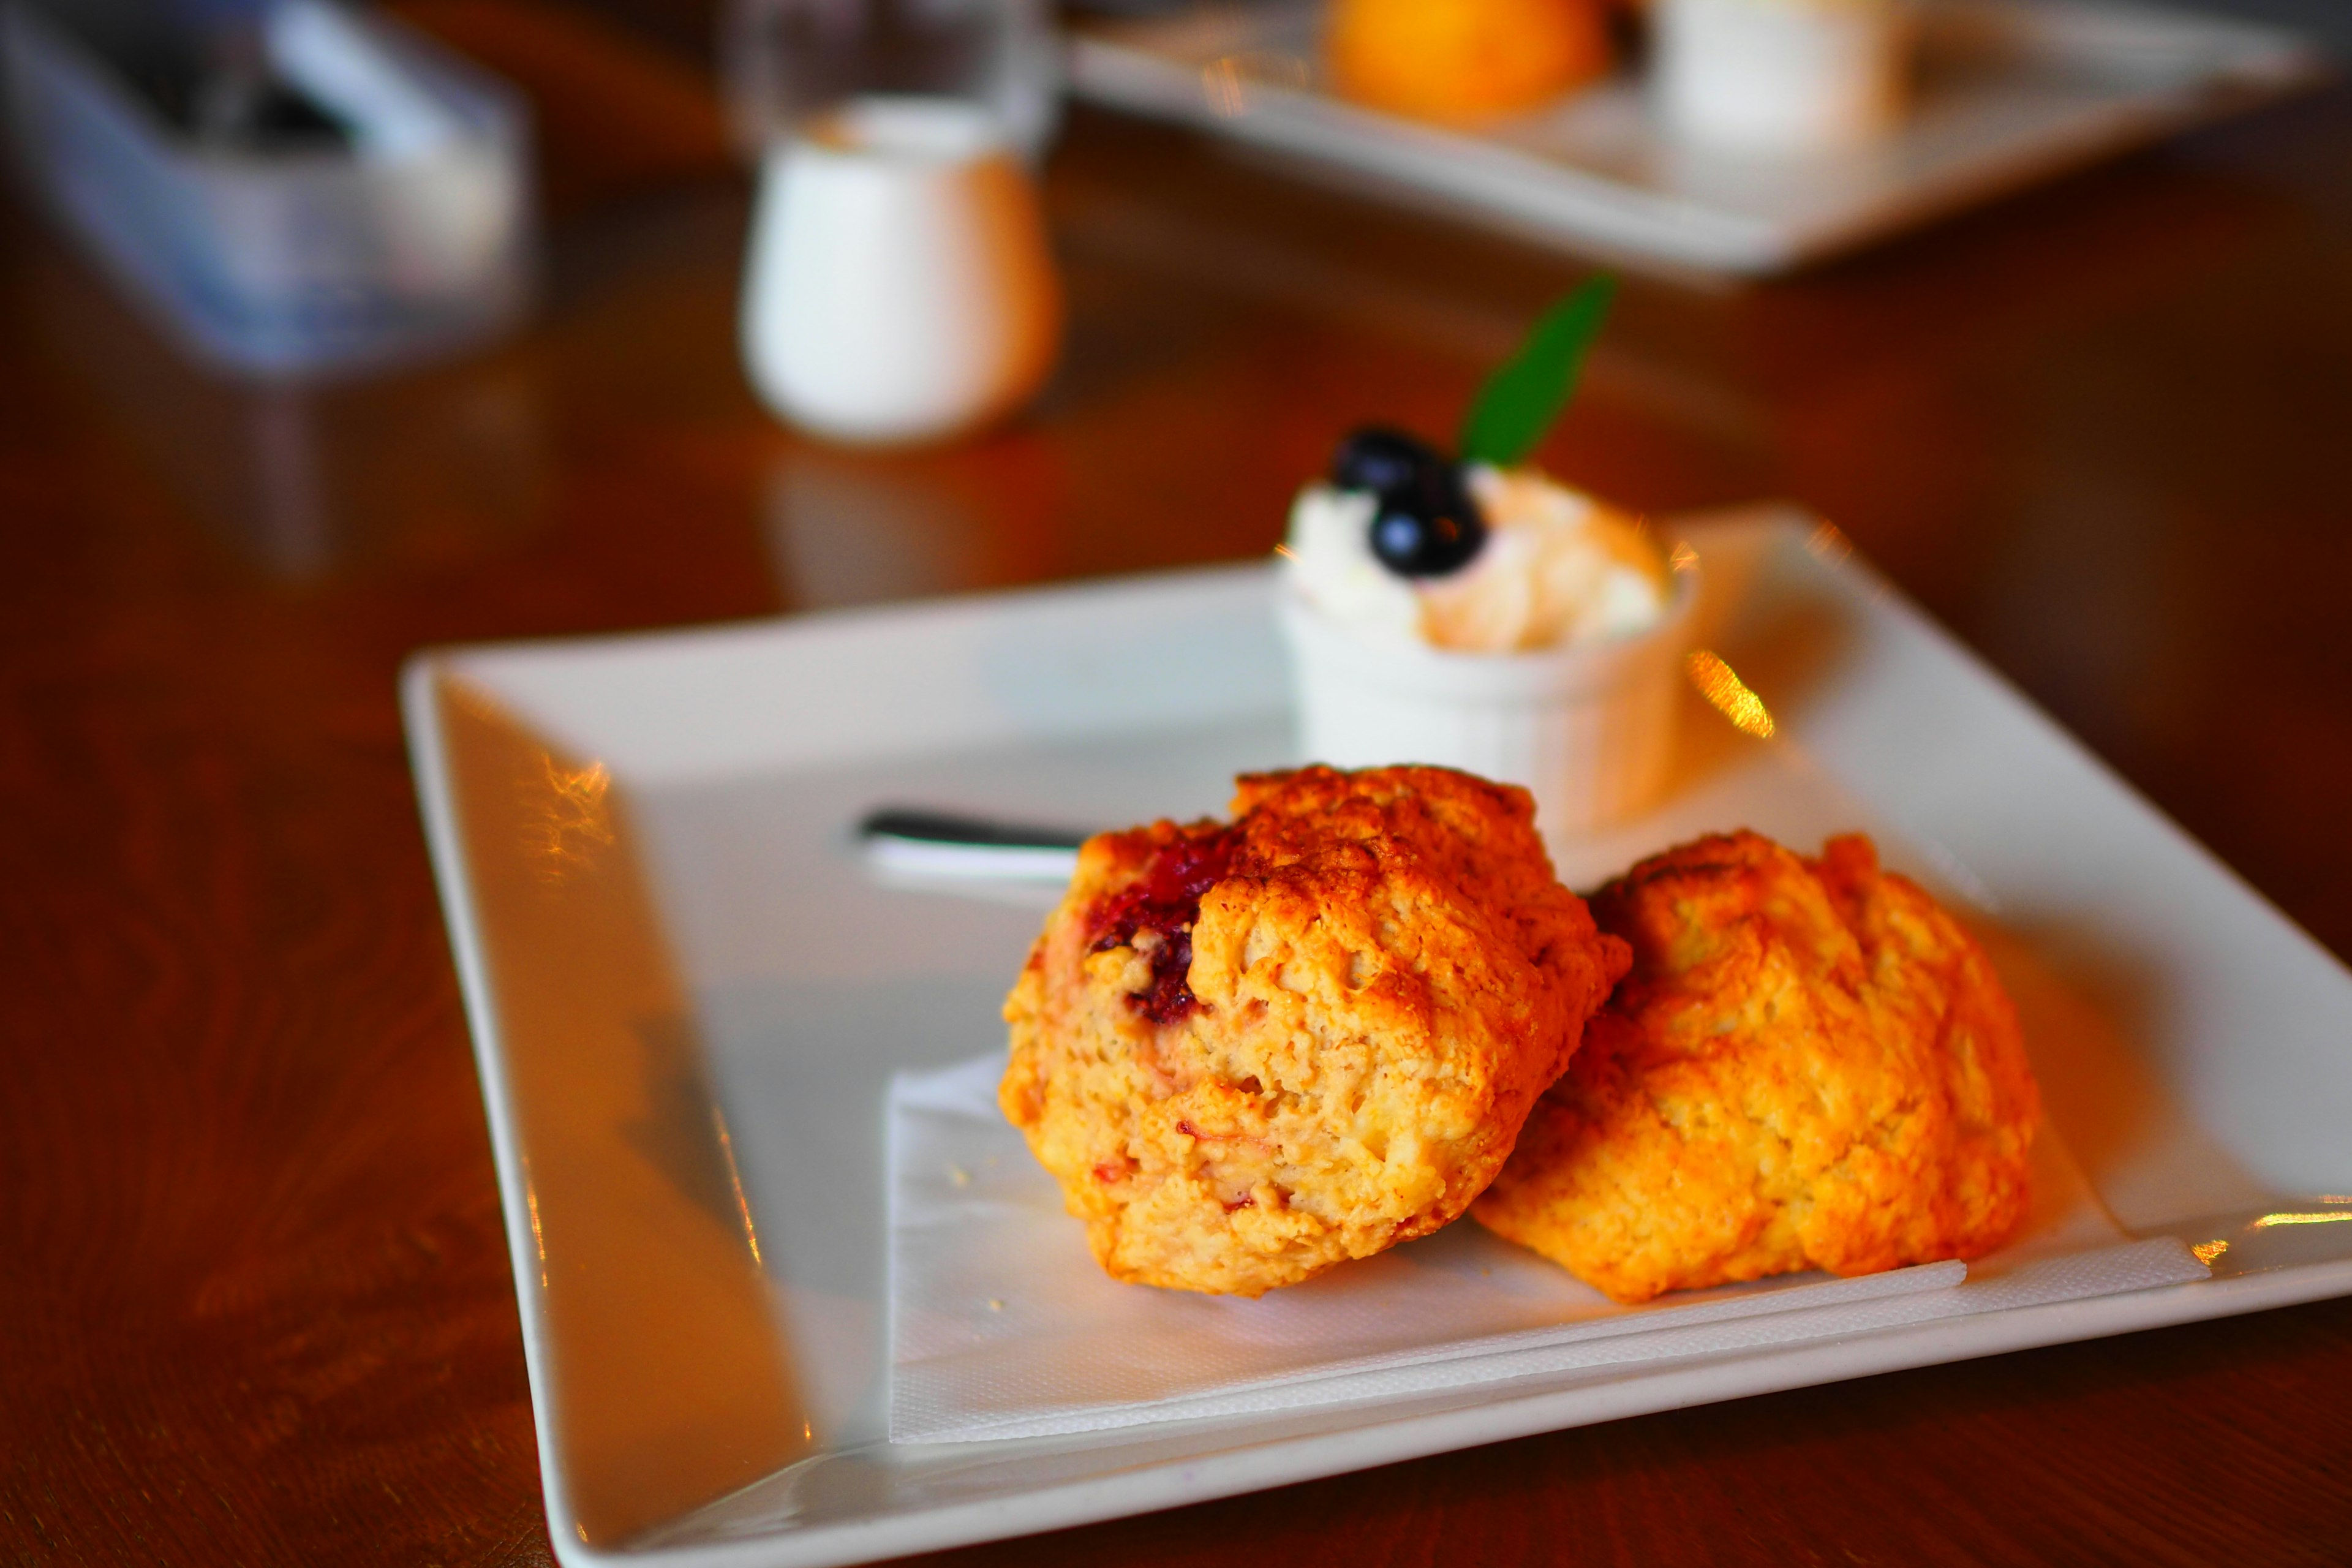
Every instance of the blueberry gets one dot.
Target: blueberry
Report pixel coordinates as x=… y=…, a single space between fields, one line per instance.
x=1381 y=460
x=1423 y=540
x=1426 y=524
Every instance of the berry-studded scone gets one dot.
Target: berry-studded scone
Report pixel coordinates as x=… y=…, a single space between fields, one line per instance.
x=1249 y=1051
x=1812 y=1066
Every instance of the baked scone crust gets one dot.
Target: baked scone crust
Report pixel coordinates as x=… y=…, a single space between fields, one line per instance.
x=1382 y=975
x=1812 y=1066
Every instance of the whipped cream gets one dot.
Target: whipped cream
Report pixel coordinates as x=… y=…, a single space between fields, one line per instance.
x=1557 y=568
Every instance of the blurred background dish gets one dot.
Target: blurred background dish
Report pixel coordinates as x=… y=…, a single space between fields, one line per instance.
x=2008 y=92
x=294 y=186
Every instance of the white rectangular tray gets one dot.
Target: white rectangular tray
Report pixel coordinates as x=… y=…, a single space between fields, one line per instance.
x=2013 y=92
x=688 y=993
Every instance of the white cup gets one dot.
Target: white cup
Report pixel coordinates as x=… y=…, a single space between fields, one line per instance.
x=899 y=286
x=1589 y=729
x=1782 y=76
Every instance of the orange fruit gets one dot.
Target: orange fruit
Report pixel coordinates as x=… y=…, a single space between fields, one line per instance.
x=1463 y=59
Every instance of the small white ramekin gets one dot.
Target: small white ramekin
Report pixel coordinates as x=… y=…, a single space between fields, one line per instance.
x=1588 y=729
x=1765 y=77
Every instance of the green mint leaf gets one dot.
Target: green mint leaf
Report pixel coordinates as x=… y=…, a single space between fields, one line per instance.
x=1519 y=401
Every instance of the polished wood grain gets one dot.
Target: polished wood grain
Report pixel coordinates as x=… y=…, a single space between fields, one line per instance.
x=255 y=1305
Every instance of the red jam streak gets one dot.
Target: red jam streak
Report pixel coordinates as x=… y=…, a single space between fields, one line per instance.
x=1165 y=901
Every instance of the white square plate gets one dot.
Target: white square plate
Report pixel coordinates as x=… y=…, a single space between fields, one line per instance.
x=2012 y=92
x=687 y=995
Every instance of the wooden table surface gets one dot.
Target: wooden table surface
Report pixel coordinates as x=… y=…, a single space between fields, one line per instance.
x=255 y=1305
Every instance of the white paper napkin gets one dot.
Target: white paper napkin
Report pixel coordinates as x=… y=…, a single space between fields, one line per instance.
x=1002 y=1326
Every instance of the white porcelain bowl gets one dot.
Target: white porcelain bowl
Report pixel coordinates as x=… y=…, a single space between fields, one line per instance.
x=1588 y=729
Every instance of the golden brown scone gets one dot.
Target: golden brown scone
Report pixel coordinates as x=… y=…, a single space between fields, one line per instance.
x=1812 y=1066
x=1463 y=59
x=1249 y=1052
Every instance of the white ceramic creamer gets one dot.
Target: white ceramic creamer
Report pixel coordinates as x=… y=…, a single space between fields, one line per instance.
x=899 y=286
